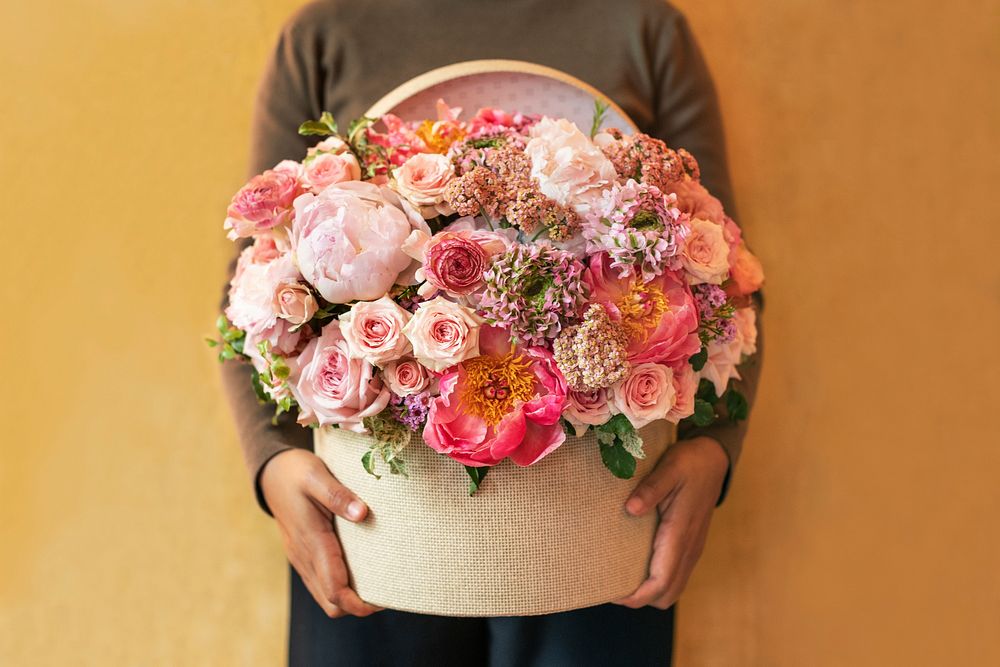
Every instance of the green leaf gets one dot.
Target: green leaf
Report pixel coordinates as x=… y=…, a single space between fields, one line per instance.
x=624 y=434
x=600 y=111
x=476 y=476
x=211 y=341
x=736 y=405
x=258 y=388
x=699 y=359
x=368 y=461
x=325 y=126
x=704 y=412
x=618 y=460
x=706 y=391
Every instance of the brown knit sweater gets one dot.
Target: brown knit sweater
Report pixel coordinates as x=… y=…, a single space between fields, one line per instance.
x=343 y=56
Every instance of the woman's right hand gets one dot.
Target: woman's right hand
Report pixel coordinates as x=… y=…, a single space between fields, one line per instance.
x=303 y=497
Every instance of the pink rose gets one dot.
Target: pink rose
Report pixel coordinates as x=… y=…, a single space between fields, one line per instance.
x=251 y=296
x=705 y=256
x=422 y=181
x=374 y=330
x=443 y=333
x=504 y=403
x=585 y=409
x=697 y=202
x=294 y=301
x=567 y=165
x=746 y=274
x=406 y=376
x=263 y=203
x=347 y=241
x=331 y=387
x=326 y=169
x=746 y=331
x=685 y=387
x=646 y=394
x=329 y=145
x=659 y=317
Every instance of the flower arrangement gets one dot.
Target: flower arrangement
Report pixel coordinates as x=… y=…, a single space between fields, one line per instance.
x=493 y=285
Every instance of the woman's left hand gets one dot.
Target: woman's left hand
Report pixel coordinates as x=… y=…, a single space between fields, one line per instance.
x=685 y=487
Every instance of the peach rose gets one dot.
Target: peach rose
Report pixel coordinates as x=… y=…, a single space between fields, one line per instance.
x=422 y=179
x=584 y=409
x=746 y=273
x=294 y=301
x=443 y=333
x=326 y=169
x=646 y=394
x=706 y=254
x=685 y=387
x=374 y=330
x=406 y=376
x=746 y=330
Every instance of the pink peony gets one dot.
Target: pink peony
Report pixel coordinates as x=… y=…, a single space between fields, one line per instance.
x=567 y=165
x=326 y=169
x=659 y=317
x=586 y=408
x=374 y=331
x=746 y=274
x=406 y=377
x=504 y=403
x=443 y=333
x=347 y=241
x=647 y=394
x=422 y=181
x=252 y=306
x=331 y=387
x=263 y=203
x=706 y=253
x=696 y=201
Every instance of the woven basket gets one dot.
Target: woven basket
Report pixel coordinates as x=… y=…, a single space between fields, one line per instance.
x=550 y=537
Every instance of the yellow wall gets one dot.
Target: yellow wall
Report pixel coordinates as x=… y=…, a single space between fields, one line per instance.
x=862 y=527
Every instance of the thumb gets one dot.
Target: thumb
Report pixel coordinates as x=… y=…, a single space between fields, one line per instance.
x=654 y=488
x=326 y=490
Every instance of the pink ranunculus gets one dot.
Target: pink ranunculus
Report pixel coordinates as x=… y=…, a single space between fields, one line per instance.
x=331 y=387
x=374 y=330
x=585 y=409
x=504 y=403
x=685 y=387
x=697 y=202
x=294 y=302
x=347 y=241
x=326 y=169
x=455 y=263
x=659 y=317
x=646 y=394
x=705 y=255
x=406 y=376
x=567 y=165
x=262 y=204
x=443 y=333
x=422 y=180
x=746 y=275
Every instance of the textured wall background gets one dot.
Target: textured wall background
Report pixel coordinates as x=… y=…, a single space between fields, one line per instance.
x=861 y=529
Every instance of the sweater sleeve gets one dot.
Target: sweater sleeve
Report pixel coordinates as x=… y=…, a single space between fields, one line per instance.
x=289 y=93
x=687 y=115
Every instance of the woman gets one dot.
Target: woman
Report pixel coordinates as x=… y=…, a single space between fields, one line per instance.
x=341 y=57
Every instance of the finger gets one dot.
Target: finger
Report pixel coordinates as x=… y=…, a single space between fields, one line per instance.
x=655 y=487
x=692 y=554
x=332 y=577
x=328 y=607
x=334 y=496
x=667 y=552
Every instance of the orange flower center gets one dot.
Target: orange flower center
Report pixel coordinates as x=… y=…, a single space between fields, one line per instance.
x=495 y=385
x=641 y=310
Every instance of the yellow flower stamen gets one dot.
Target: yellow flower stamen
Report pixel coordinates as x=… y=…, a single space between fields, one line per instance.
x=495 y=385
x=641 y=310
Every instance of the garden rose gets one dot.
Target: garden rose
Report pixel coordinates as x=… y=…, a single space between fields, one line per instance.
x=347 y=241
x=422 y=179
x=746 y=331
x=746 y=274
x=706 y=253
x=685 y=387
x=333 y=388
x=585 y=409
x=569 y=168
x=263 y=203
x=503 y=403
x=660 y=316
x=329 y=145
x=294 y=301
x=455 y=263
x=697 y=202
x=443 y=333
x=647 y=394
x=374 y=330
x=326 y=169
x=406 y=376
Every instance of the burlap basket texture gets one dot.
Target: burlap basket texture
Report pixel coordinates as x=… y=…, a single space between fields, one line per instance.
x=546 y=538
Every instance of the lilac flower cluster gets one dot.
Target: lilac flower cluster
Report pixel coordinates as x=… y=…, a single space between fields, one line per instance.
x=715 y=313
x=640 y=228
x=411 y=411
x=534 y=290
